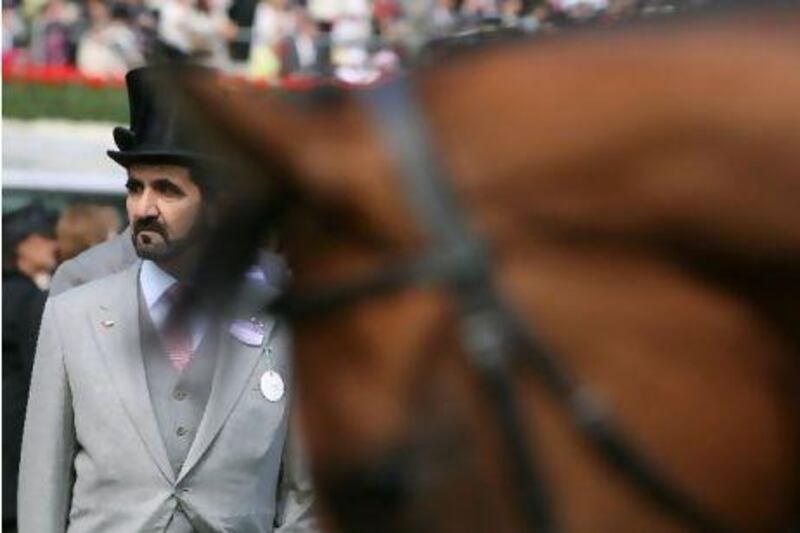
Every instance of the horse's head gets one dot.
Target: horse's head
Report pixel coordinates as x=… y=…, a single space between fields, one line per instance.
x=387 y=405
x=638 y=194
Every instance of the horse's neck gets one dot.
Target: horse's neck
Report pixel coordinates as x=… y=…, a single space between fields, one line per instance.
x=696 y=375
x=644 y=222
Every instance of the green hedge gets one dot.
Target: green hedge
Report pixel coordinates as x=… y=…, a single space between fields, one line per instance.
x=66 y=101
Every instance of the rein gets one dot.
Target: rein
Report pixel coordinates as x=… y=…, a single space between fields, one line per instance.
x=493 y=336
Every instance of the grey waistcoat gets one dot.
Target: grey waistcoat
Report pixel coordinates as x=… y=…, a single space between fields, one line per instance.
x=179 y=399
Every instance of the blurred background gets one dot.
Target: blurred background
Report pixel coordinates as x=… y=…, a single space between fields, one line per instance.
x=64 y=63
x=271 y=39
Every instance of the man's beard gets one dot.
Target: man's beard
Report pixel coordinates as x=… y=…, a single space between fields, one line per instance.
x=165 y=248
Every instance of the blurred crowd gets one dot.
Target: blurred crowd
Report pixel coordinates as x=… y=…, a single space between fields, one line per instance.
x=35 y=242
x=265 y=39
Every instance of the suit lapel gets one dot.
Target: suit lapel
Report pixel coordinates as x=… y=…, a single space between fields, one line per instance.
x=116 y=327
x=235 y=364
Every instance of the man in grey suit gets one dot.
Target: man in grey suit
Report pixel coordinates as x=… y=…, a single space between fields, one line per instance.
x=144 y=419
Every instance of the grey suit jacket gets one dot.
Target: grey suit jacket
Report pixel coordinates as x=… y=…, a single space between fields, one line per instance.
x=93 y=459
x=98 y=261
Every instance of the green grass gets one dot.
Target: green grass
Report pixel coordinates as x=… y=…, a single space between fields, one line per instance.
x=69 y=101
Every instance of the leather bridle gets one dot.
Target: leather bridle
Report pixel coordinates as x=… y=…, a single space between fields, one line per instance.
x=494 y=338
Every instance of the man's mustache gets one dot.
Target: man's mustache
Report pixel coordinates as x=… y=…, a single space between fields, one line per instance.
x=149 y=224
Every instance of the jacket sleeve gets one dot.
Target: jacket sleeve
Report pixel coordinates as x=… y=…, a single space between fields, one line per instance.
x=48 y=446
x=294 y=511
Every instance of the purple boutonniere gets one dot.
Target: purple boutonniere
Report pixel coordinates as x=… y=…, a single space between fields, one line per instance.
x=250 y=332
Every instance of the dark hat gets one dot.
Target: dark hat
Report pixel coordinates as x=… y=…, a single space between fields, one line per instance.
x=161 y=125
x=32 y=219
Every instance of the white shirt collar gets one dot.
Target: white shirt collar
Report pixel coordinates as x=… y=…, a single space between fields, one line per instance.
x=154 y=282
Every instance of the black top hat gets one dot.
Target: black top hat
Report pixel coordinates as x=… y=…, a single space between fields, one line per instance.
x=161 y=130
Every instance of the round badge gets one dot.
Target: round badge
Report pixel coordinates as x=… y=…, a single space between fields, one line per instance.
x=272 y=386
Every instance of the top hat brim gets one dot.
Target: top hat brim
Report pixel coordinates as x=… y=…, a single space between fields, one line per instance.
x=154 y=157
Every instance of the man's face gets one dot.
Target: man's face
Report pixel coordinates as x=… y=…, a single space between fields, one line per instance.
x=164 y=210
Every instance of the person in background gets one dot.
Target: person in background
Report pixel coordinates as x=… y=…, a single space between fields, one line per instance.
x=444 y=18
x=298 y=49
x=110 y=46
x=13 y=30
x=273 y=21
x=197 y=30
x=100 y=260
x=241 y=13
x=29 y=252
x=82 y=226
x=29 y=248
x=53 y=34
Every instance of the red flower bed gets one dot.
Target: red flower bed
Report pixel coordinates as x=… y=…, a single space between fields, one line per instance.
x=16 y=71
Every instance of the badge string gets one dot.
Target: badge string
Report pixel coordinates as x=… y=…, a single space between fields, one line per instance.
x=272 y=385
x=266 y=348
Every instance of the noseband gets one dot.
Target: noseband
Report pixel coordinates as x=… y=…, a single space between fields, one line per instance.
x=494 y=338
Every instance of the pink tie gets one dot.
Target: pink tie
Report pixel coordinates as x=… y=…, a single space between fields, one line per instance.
x=176 y=333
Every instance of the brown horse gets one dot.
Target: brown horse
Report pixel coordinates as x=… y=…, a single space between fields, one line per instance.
x=638 y=191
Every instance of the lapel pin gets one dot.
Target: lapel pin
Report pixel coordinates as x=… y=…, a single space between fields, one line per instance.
x=107 y=323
